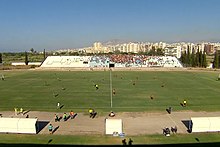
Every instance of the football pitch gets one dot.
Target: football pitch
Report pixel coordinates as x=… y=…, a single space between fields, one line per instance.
x=134 y=90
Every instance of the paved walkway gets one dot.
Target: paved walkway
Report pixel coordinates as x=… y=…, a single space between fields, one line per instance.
x=134 y=123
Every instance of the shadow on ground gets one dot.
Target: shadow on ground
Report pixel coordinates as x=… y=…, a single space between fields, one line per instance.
x=41 y=125
x=215 y=144
x=186 y=123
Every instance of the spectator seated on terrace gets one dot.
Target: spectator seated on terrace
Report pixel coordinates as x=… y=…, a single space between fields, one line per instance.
x=99 y=61
x=128 y=60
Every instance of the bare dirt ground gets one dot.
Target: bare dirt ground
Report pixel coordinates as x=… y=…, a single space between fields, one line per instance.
x=127 y=69
x=134 y=123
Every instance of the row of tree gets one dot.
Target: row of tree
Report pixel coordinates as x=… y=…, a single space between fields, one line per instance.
x=21 y=54
x=193 y=59
x=0 y=58
x=188 y=59
x=32 y=51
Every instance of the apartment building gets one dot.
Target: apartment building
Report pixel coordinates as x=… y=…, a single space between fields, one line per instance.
x=173 y=51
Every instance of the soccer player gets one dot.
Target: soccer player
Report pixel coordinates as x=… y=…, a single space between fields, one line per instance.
x=96 y=86
x=134 y=83
x=56 y=118
x=113 y=91
x=3 y=77
x=58 y=105
x=64 y=116
x=91 y=112
x=16 y=111
x=21 y=111
x=71 y=114
x=50 y=128
x=184 y=103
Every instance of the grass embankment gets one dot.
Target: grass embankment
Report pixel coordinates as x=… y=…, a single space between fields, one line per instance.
x=197 y=138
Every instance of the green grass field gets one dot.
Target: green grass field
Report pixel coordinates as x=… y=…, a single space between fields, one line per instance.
x=41 y=90
x=198 y=138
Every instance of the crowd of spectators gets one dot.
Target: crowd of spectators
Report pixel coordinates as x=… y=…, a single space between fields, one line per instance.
x=127 y=60
x=143 y=60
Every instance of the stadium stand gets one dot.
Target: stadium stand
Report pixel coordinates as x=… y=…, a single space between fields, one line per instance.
x=111 y=61
x=66 y=61
x=99 y=61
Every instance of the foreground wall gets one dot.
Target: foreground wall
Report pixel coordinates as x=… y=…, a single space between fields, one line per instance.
x=205 y=124
x=113 y=125
x=18 y=125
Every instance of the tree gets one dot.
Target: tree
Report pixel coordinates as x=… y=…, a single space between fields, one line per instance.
x=216 y=60
x=188 y=58
x=204 y=60
x=200 y=59
x=193 y=64
x=26 y=58
x=44 y=54
x=160 y=52
x=0 y=58
x=197 y=58
x=141 y=53
x=117 y=52
x=32 y=50
x=152 y=52
x=183 y=58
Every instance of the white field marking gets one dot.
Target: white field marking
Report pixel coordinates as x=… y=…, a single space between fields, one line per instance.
x=175 y=123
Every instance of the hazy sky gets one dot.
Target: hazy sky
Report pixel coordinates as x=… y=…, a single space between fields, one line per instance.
x=55 y=24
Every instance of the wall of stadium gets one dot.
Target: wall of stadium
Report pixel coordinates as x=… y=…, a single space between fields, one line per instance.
x=66 y=61
x=104 y=61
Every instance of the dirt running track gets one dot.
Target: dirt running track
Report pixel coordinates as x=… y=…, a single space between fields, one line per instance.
x=134 y=123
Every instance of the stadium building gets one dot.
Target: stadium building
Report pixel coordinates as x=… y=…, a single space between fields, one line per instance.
x=111 y=61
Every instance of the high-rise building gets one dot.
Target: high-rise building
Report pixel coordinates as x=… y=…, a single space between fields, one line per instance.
x=173 y=51
x=97 y=47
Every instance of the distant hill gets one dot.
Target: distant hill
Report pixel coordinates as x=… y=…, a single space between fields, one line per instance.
x=115 y=42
